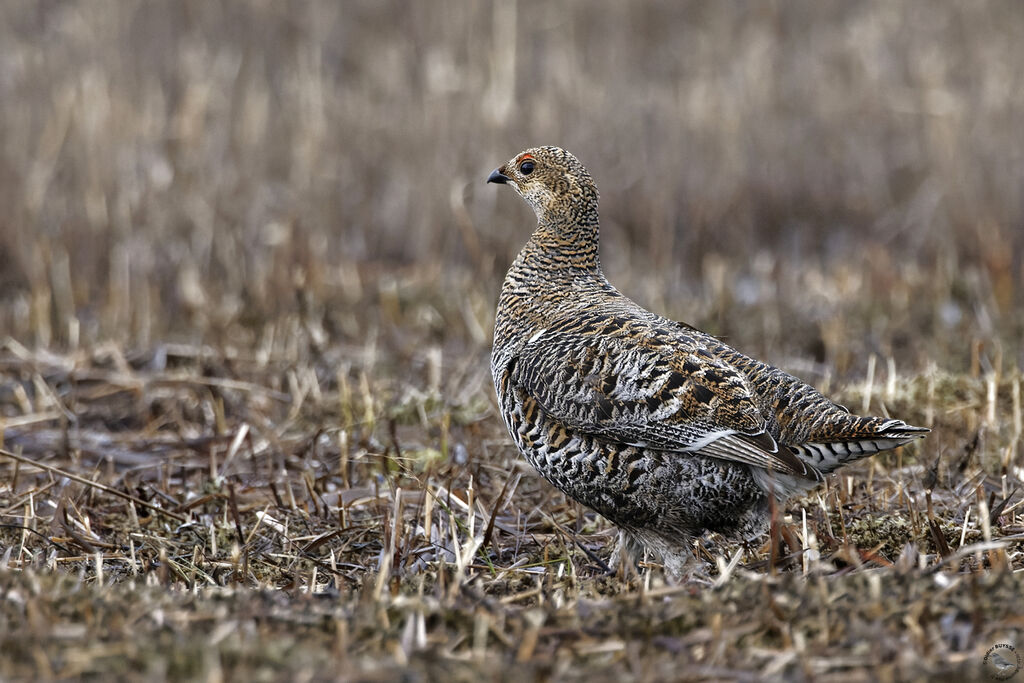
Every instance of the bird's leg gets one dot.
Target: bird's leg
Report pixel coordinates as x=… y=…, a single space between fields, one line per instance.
x=683 y=567
x=626 y=556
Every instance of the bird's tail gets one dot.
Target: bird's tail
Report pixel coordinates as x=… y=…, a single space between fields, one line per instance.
x=862 y=437
x=832 y=448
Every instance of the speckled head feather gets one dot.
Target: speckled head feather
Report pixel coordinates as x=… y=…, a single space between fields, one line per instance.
x=563 y=195
x=658 y=426
x=554 y=183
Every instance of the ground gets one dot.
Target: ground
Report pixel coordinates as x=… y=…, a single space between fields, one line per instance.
x=194 y=514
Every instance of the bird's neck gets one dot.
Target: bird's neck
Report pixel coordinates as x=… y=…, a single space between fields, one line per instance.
x=555 y=271
x=565 y=245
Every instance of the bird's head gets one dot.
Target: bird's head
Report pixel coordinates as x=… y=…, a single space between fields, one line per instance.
x=553 y=182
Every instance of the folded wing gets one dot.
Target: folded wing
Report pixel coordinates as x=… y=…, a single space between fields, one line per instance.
x=638 y=383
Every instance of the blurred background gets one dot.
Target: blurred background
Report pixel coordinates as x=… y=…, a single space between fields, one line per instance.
x=818 y=182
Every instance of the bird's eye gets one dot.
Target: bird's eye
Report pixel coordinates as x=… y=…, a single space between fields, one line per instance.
x=526 y=168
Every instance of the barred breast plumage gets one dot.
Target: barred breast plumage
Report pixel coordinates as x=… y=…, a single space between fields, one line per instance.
x=661 y=428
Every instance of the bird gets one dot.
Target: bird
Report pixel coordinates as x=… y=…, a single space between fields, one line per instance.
x=661 y=428
x=1001 y=667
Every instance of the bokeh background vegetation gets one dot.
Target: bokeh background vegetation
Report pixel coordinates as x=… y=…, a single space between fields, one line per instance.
x=184 y=169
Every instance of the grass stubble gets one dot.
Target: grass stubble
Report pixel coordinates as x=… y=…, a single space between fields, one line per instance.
x=190 y=521
x=246 y=424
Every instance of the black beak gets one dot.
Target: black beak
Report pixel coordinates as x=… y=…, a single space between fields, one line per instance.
x=498 y=177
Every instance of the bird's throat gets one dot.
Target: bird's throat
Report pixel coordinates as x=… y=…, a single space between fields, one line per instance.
x=571 y=245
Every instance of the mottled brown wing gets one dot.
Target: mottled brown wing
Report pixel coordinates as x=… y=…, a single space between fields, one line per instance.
x=650 y=388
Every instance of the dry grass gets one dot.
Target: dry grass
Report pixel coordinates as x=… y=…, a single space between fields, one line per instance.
x=261 y=519
x=250 y=266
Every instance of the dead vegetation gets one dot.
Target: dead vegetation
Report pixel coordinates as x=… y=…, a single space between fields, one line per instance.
x=252 y=516
x=246 y=424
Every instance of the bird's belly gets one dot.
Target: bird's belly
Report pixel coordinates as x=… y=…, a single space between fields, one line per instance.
x=634 y=487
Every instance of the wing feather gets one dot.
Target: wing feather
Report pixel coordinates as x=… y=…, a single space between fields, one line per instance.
x=637 y=383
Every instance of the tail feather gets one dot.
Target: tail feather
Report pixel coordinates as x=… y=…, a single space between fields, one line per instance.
x=829 y=455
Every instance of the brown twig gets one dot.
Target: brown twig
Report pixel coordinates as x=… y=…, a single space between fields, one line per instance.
x=96 y=485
